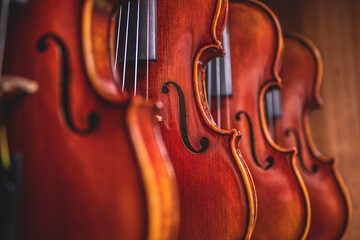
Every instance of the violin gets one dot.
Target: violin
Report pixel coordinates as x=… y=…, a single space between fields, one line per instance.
x=301 y=73
x=255 y=45
x=217 y=195
x=93 y=161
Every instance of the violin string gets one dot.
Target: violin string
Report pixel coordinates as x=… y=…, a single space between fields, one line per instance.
x=209 y=73
x=271 y=121
x=227 y=75
x=218 y=92
x=126 y=44
x=136 y=46
x=274 y=107
x=227 y=102
x=269 y=111
x=147 y=50
x=117 y=39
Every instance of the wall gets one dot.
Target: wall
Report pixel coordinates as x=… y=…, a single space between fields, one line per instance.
x=334 y=26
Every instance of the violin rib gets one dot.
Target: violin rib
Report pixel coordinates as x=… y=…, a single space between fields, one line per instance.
x=302 y=76
x=94 y=163
x=256 y=46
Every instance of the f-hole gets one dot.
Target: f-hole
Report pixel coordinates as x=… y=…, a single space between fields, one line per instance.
x=204 y=142
x=295 y=133
x=93 y=117
x=269 y=160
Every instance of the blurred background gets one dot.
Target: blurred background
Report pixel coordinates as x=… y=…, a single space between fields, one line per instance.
x=334 y=27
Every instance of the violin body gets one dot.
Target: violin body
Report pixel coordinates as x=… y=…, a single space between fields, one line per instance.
x=302 y=75
x=94 y=163
x=217 y=196
x=256 y=46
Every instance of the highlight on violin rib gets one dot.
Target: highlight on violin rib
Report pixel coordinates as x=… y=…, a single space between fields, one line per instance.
x=93 y=117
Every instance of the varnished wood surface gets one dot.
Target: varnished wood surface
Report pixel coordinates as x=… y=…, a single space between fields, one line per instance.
x=334 y=28
x=217 y=196
x=256 y=46
x=301 y=74
x=103 y=177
